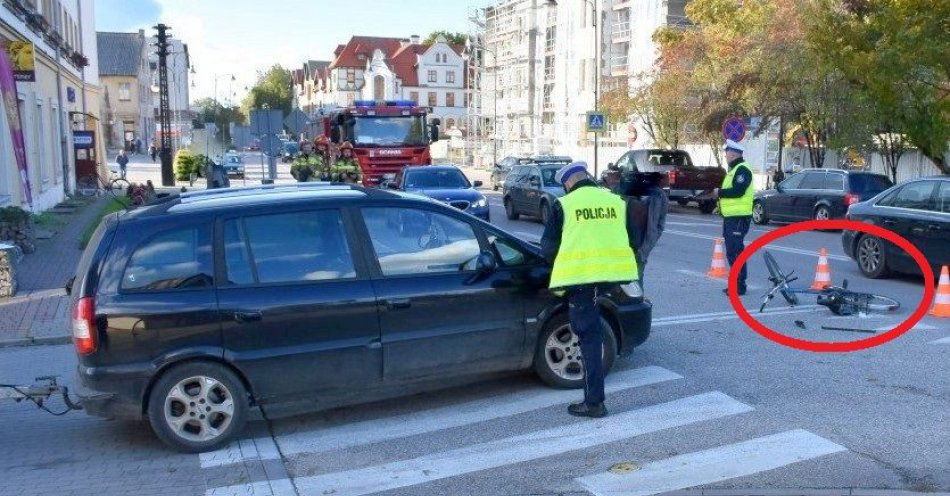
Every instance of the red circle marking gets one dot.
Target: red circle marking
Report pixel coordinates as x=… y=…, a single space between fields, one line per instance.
x=835 y=346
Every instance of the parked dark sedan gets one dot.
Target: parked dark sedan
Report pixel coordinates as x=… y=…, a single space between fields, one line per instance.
x=531 y=189
x=447 y=184
x=917 y=210
x=193 y=310
x=819 y=194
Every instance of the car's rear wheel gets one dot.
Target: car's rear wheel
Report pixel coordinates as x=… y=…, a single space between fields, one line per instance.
x=682 y=202
x=510 y=210
x=707 y=206
x=822 y=212
x=758 y=213
x=558 y=361
x=871 y=257
x=545 y=212
x=198 y=406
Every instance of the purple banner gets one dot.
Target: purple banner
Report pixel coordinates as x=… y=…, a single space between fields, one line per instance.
x=8 y=90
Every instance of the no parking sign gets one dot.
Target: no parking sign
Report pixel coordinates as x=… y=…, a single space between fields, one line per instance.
x=733 y=129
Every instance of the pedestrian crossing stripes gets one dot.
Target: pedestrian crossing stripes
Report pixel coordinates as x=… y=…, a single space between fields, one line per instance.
x=345 y=435
x=712 y=465
x=521 y=448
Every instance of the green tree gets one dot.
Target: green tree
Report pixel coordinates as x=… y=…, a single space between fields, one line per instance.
x=210 y=110
x=274 y=89
x=452 y=38
x=895 y=54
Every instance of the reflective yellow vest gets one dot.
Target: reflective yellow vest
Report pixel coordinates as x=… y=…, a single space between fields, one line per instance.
x=736 y=207
x=594 y=247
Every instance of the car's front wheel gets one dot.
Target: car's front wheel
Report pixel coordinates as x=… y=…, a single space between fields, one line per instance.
x=822 y=212
x=758 y=213
x=871 y=257
x=510 y=210
x=197 y=407
x=707 y=206
x=558 y=361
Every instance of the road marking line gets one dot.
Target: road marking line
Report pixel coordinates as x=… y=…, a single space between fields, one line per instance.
x=713 y=465
x=786 y=249
x=344 y=435
x=703 y=275
x=279 y=487
x=918 y=327
x=262 y=448
x=455 y=415
x=715 y=317
x=522 y=448
x=945 y=340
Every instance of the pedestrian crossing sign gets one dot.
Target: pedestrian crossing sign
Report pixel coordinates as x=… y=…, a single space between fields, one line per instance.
x=596 y=122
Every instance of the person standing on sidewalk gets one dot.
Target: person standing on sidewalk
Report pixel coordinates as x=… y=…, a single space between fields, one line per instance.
x=123 y=161
x=589 y=239
x=735 y=206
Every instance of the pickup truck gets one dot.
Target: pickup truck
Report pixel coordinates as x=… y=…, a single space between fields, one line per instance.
x=685 y=182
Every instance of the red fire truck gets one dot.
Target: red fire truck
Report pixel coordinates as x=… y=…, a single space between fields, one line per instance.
x=386 y=135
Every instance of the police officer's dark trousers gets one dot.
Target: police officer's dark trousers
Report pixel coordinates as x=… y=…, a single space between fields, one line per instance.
x=734 y=230
x=586 y=323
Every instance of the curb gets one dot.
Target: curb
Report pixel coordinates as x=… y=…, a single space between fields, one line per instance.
x=46 y=341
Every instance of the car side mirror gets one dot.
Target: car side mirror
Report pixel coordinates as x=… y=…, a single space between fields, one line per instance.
x=478 y=184
x=485 y=264
x=69 y=285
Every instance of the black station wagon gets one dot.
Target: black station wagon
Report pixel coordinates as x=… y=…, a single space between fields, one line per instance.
x=191 y=311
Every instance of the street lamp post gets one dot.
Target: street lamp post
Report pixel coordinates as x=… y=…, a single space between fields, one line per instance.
x=596 y=25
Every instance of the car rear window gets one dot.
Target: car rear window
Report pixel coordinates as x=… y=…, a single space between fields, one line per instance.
x=174 y=259
x=91 y=247
x=667 y=158
x=869 y=183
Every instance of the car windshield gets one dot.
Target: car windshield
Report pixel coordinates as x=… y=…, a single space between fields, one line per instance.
x=547 y=175
x=388 y=131
x=869 y=183
x=233 y=159
x=436 y=179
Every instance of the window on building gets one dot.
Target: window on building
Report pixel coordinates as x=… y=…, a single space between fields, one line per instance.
x=125 y=92
x=351 y=76
x=433 y=99
x=450 y=99
x=379 y=88
x=433 y=77
x=414 y=96
x=450 y=77
x=177 y=259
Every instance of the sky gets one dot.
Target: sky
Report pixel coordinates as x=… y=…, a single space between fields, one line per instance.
x=244 y=37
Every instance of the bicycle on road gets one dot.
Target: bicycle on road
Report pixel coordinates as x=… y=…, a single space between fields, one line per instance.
x=840 y=300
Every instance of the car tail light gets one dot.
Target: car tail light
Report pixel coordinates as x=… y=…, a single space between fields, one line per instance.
x=850 y=199
x=671 y=175
x=84 y=325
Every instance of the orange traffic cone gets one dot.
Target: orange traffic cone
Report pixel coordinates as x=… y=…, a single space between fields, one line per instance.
x=718 y=269
x=942 y=300
x=822 y=272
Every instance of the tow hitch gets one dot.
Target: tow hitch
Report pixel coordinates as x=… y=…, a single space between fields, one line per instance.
x=39 y=393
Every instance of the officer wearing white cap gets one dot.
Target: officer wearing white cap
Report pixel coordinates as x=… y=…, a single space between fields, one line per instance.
x=735 y=206
x=589 y=239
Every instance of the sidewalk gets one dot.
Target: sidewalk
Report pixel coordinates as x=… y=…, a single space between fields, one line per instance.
x=39 y=313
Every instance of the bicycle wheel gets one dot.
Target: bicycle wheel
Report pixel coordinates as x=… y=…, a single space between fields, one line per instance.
x=87 y=185
x=878 y=303
x=779 y=279
x=119 y=185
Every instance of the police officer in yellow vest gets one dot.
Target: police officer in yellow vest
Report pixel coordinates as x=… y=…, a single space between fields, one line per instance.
x=735 y=206
x=589 y=239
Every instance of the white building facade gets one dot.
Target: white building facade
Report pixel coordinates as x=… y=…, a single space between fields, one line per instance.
x=64 y=97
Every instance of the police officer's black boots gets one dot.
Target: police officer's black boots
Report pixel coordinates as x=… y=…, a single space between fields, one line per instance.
x=582 y=409
x=741 y=290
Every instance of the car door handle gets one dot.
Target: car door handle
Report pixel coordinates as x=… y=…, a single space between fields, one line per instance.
x=245 y=317
x=398 y=303
x=888 y=222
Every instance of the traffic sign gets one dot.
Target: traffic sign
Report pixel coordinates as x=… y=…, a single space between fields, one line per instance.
x=733 y=129
x=265 y=121
x=596 y=122
x=296 y=121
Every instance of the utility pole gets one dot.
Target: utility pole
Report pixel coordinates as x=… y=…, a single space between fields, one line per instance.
x=164 y=113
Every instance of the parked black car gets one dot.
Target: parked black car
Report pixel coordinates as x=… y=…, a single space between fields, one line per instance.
x=531 y=189
x=816 y=194
x=191 y=311
x=917 y=210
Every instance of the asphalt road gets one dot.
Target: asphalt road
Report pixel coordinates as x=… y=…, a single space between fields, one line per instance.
x=705 y=404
